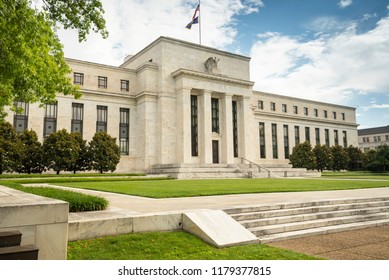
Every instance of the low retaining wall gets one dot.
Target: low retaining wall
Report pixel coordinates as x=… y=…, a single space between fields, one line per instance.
x=42 y=221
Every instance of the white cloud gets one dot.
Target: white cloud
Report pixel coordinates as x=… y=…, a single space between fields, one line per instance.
x=345 y=3
x=132 y=24
x=330 y=68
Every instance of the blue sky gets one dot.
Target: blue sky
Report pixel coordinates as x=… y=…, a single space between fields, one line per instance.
x=335 y=51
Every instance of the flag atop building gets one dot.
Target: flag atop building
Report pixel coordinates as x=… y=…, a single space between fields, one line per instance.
x=195 y=18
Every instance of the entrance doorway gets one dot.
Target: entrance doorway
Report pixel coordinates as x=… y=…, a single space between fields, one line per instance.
x=215 y=151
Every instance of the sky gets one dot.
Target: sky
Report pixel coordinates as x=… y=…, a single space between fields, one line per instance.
x=335 y=51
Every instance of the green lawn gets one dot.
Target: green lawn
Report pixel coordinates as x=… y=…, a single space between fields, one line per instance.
x=170 y=246
x=188 y=188
x=357 y=175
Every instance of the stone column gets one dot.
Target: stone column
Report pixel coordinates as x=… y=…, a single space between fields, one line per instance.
x=244 y=116
x=205 y=128
x=183 y=147
x=227 y=148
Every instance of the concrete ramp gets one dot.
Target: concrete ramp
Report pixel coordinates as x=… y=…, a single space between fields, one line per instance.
x=217 y=228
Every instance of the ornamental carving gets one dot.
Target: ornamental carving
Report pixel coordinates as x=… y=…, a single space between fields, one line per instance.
x=211 y=65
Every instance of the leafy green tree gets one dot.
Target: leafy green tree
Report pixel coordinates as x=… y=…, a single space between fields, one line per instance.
x=31 y=154
x=356 y=158
x=61 y=151
x=341 y=158
x=9 y=148
x=324 y=159
x=303 y=157
x=32 y=64
x=84 y=161
x=379 y=160
x=104 y=151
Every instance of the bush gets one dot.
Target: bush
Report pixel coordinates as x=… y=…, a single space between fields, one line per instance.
x=78 y=202
x=104 y=151
x=303 y=157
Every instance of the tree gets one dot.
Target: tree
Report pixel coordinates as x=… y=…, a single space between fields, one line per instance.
x=356 y=158
x=32 y=64
x=31 y=154
x=105 y=152
x=8 y=148
x=61 y=151
x=303 y=157
x=379 y=159
x=341 y=158
x=83 y=161
x=324 y=159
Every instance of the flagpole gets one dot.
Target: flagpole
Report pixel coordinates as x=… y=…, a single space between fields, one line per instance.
x=200 y=22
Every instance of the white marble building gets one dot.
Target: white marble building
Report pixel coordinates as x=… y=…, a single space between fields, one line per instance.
x=178 y=104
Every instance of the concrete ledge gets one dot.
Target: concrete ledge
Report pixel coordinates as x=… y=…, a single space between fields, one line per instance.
x=217 y=228
x=42 y=221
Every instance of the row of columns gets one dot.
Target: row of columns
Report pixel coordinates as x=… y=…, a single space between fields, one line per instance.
x=205 y=134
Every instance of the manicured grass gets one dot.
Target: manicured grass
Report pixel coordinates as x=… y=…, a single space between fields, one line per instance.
x=357 y=175
x=189 y=188
x=65 y=175
x=171 y=246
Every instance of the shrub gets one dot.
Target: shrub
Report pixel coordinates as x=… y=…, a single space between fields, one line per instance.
x=105 y=153
x=341 y=158
x=303 y=157
x=31 y=153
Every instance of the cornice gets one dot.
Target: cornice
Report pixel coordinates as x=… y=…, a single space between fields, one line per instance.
x=218 y=78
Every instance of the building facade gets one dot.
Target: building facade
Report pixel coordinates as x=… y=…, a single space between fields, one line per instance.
x=176 y=102
x=371 y=138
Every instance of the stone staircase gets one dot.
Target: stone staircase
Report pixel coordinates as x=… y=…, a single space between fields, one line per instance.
x=10 y=248
x=225 y=171
x=278 y=222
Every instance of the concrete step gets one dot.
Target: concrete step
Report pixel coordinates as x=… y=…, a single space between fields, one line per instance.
x=321 y=230
x=10 y=238
x=315 y=216
x=25 y=252
x=309 y=210
x=279 y=206
x=275 y=222
x=273 y=229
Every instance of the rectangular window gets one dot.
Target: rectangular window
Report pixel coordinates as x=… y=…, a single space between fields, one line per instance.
x=50 y=120
x=77 y=117
x=327 y=137
x=315 y=112
x=215 y=115
x=102 y=118
x=295 y=110
x=262 y=145
x=194 y=125
x=78 y=78
x=307 y=135
x=260 y=104
x=124 y=85
x=235 y=127
x=284 y=108
x=21 y=116
x=305 y=111
x=343 y=116
x=345 y=139
x=325 y=114
x=272 y=106
x=286 y=141
x=367 y=139
x=334 y=115
x=124 y=131
x=274 y=140
x=297 y=135
x=336 y=138
x=317 y=136
x=102 y=82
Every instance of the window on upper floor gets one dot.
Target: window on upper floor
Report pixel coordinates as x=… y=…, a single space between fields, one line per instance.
x=272 y=106
x=284 y=108
x=78 y=78
x=343 y=116
x=334 y=115
x=124 y=85
x=315 y=112
x=102 y=82
x=260 y=104
x=295 y=110
x=305 y=111
x=325 y=114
